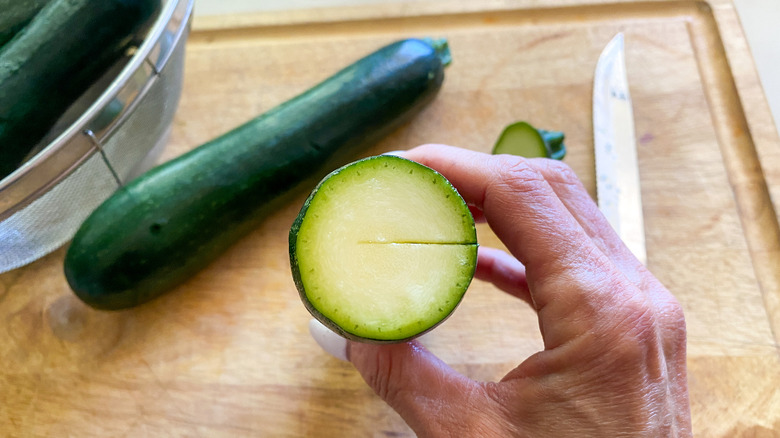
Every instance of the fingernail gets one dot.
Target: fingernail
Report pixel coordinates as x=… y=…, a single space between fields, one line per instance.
x=396 y=153
x=332 y=343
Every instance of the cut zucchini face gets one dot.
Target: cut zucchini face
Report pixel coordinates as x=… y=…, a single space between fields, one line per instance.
x=383 y=250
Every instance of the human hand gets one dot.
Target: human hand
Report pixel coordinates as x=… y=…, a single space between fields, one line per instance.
x=613 y=362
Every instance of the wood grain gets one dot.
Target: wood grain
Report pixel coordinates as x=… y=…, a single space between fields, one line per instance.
x=228 y=353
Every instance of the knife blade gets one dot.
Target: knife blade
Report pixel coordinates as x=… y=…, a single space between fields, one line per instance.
x=617 y=170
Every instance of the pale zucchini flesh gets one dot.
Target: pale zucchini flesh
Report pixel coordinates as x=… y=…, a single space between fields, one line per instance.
x=383 y=250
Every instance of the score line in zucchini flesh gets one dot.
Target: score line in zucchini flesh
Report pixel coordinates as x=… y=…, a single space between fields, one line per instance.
x=383 y=250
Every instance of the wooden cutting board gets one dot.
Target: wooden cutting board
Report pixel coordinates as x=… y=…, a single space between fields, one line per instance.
x=228 y=353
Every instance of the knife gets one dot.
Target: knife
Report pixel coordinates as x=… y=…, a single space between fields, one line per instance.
x=617 y=171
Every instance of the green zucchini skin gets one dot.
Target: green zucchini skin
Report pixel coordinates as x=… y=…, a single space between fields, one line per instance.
x=15 y=14
x=66 y=47
x=171 y=222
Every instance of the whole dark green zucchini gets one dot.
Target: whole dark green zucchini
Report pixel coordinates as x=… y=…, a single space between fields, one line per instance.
x=54 y=59
x=15 y=14
x=172 y=221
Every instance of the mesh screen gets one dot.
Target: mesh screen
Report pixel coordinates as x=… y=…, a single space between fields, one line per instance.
x=51 y=220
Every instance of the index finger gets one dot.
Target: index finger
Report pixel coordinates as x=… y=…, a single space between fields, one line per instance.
x=522 y=209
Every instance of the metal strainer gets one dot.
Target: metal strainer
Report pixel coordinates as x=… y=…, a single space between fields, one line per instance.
x=117 y=136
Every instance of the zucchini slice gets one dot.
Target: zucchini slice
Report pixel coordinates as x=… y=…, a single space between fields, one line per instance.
x=383 y=250
x=522 y=139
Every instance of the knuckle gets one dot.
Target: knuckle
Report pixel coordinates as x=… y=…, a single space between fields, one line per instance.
x=672 y=313
x=675 y=331
x=560 y=172
x=648 y=332
x=515 y=174
x=636 y=330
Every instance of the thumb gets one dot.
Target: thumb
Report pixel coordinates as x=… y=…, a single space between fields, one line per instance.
x=429 y=395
